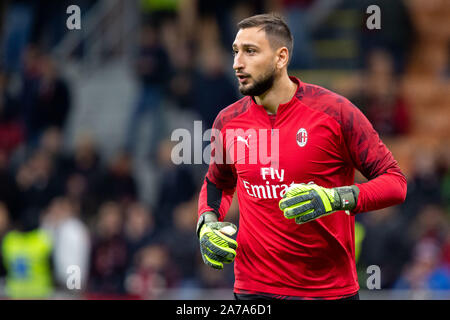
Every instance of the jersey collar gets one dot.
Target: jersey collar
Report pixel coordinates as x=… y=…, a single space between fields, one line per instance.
x=284 y=106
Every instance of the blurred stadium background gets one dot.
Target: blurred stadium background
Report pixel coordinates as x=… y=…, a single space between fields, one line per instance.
x=86 y=117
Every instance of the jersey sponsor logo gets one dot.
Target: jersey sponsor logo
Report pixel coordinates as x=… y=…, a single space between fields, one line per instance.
x=274 y=188
x=302 y=137
x=267 y=191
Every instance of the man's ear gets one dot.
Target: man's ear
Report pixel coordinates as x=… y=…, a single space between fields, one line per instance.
x=282 y=57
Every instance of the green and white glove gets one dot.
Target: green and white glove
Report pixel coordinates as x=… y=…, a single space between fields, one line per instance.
x=215 y=245
x=307 y=202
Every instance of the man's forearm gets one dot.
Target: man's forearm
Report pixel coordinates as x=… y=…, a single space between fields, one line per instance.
x=386 y=190
x=214 y=199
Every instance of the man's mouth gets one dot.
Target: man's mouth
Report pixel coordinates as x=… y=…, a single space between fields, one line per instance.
x=242 y=78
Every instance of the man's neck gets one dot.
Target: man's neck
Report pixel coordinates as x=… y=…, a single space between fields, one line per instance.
x=282 y=92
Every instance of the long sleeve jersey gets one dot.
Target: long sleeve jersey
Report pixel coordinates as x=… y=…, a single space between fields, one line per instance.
x=317 y=137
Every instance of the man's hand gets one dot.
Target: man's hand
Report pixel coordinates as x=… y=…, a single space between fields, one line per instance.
x=215 y=246
x=307 y=202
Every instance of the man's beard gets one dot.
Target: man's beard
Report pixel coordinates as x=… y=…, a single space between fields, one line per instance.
x=261 y=85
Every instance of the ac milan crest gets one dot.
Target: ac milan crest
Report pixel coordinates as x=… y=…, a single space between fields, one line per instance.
x=302 y=137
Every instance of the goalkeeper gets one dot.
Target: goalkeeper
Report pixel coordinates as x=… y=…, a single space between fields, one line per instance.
x=296 y=226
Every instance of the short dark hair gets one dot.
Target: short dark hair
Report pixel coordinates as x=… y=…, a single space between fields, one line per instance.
x=275 y=27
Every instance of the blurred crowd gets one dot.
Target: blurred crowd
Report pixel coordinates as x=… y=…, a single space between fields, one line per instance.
x=72 y=206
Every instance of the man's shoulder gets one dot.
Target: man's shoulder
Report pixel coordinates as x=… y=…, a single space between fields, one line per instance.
x=231 y=112
x=325 y=100
x=316 y=94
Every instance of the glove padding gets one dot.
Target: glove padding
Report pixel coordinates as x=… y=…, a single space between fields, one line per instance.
x=216 y=248
x=307 y=202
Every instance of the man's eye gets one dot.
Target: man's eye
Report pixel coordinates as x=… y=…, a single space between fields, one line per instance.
x=251 y=50
x=234 y=52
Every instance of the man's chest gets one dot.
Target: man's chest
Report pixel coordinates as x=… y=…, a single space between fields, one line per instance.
x=297 y=149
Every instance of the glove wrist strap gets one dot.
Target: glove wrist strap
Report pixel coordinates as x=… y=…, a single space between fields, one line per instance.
x=208 y=216
x=347 y=197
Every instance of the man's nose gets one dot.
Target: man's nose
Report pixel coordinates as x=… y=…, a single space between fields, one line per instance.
x=237 y=63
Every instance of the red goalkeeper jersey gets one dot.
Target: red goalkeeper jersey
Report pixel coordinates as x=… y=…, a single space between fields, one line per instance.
x=317 y=137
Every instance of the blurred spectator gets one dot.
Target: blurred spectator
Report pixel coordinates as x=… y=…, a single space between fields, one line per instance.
x=446 y=189
x=182 y=56
x=18 y=23
x=9 y=191
x=11 y=131
x=213 y=89
x=86 y=158
x=4 y=220
x=77 y=191
x=54 y=95
x=51 y=142
x=396 y=34
x=181 y=89
x=151 y=64
x=431 y=223
x=425 y=271
x=109 y=258
x=158 y=11
x=385 y=243
x=71 y=240
x=153 y=71
x=45 y=95
x=182 y=245
x=446 y=249
x=140 y=228
x=385 y=106
x=210 y=278
x=117 y=183
x=26 y=255
x=425 y=183
x=5 y=226
x=221 y=12
x=84 y=175
x=152 y=274
x=444 y=173
x=176 y=186
x=37 y=181
x=298 y=16
x=49 y=20
x=430 y=52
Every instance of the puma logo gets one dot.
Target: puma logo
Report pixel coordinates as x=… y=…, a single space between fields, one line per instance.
x=239 y=138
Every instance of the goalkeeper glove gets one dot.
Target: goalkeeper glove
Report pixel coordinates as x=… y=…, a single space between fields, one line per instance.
x=307 y=202
x=215 y=246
